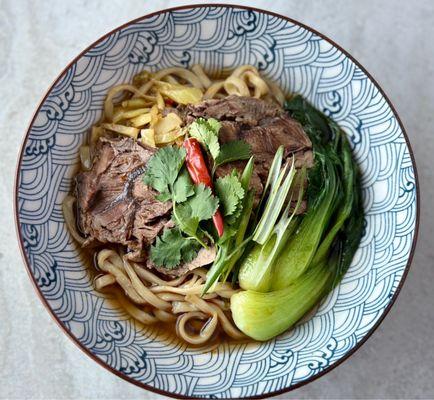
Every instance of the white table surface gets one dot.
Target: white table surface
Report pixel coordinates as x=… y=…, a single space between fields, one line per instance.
x=394 y=40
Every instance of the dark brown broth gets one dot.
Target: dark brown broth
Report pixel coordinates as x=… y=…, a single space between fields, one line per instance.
x=165 y=331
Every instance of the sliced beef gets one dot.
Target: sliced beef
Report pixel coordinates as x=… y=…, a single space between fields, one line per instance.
x=265 y=126
x=246 y=110
x=114 y=205
x=270 y=133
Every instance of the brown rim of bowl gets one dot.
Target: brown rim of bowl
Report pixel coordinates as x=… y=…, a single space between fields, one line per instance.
x=163 y=392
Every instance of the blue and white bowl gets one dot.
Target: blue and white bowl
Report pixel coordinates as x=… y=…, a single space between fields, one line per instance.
x=300 y=60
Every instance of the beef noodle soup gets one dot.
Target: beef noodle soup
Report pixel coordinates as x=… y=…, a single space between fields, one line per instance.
x=216 y=206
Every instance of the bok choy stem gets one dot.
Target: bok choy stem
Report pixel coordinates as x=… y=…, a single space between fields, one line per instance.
x=257 y=268
x=302 y=247
x=263 y=316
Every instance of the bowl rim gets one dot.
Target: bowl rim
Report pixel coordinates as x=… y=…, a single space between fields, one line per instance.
x=231 y=6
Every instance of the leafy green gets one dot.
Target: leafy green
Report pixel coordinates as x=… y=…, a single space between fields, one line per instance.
x=319 y=250
x=263 y=316
x=232 y=244
x=202 y=205
x=230 y=193
x=191 y=205
x=302 y=247
x=163 y=168
x=232 y=151
x=257 y=268
x=171 y=248
x=328 y=138
x=183 y=187
x=199 y=207
x=206 y=131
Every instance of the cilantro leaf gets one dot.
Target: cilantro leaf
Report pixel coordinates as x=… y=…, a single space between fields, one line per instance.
x=171 y=249
x=163 y=168
x=214 y=124
x=206 y=131
x=183 y=187
x=163 y=197
x=201 y=206
x=182 y=217
x=189 y=251
x=230 y=193
x=233 y=151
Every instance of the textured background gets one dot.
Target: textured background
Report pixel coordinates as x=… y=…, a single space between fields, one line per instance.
x=393 y=41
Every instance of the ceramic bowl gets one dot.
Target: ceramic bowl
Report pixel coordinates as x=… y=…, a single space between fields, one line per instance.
x=301 y=60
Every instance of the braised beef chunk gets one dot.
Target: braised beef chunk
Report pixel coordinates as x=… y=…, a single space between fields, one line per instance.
x=265 y=126
x=114 y=205
x=246 y=110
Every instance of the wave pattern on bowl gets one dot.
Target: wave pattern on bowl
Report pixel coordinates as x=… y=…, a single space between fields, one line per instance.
x=299 y=61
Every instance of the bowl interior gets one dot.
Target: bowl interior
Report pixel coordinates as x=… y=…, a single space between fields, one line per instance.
x=300 y=61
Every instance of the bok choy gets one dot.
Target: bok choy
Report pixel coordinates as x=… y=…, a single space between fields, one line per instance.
x=284 y=280
x=270 y=235
x=265 y=315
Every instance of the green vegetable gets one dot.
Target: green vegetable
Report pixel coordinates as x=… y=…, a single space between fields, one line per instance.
x=232 y=151
x=206 y=131
x=171 y=248
x=349 y=175
x=230 y=193
x=239 y=242
x=345 y=210
x=270 y=237
x=319 y=251
x=278 y=194
x=232 y=245
x=303 y=245
x=263 y=316
x=183 y=187
x=273 y=174
x=199 y=207
x=191 y=205
x=163 y=169
x=247 y=174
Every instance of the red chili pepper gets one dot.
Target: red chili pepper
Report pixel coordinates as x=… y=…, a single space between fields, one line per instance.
x=199 y=173
x=169 y=102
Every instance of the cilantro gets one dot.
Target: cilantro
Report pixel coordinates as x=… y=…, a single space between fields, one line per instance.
x=200 y=207
x=163 y=197
x=183 y=187
x=230 y=193
x=206 y=131
x=163 y=169
x=171 y=249
x=191 y=205
x=233 y=151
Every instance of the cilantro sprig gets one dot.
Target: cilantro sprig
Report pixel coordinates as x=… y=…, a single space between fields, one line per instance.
x=230 y=192
x=191 y=205
x=163 y=169
x=172 y=248
x=206 y=131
